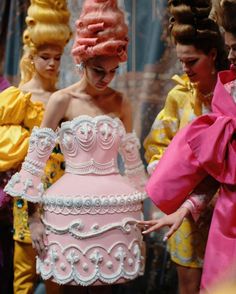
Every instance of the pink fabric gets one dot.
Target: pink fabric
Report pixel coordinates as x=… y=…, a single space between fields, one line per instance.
x=206 y=146
x=90 y=213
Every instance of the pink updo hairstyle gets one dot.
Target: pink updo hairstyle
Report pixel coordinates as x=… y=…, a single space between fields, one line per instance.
x=100 y=31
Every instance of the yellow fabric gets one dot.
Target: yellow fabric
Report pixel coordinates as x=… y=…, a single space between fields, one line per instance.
x=183 y=104
x=34 y=115
x=25 y=276
x=13 y=105
x=13 y=146
x=18 y=115
x=53 y=171
x=187 y=244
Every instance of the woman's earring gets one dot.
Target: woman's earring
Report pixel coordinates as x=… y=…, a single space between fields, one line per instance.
x=32 y=62
x=213 y=72
x=80 y=67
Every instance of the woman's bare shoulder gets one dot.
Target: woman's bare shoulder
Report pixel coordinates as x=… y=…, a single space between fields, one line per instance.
x=61 y=96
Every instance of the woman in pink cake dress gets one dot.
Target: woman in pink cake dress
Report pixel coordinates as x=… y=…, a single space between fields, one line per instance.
x=206 y=147
x=86 y=233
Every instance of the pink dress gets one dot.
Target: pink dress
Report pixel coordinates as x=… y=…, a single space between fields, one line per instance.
x=90 y=213
x=206 y=147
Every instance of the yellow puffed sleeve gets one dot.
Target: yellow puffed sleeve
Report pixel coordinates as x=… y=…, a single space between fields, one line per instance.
x=163 y=130
x=34 y=115
x=177 y=112
x=13 y=146
x=13 y=104
x=18 y=115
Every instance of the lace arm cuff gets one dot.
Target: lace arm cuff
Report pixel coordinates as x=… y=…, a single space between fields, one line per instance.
x=134 y=168
x=27 y=183
x=201 y=197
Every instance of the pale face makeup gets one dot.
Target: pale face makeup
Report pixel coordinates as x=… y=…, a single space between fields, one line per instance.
x=101 y=70
x=47 y=61
x=195 y=63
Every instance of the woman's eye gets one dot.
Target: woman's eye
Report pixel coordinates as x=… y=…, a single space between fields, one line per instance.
x=44 y=57
x=99 y=71
x=191 y=62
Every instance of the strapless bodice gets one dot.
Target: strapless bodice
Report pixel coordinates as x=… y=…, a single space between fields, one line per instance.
x=90 y=213
x=91 y=144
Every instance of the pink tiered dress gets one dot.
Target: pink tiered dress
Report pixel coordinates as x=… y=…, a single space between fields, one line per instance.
x=90 y=213
x=205 y=147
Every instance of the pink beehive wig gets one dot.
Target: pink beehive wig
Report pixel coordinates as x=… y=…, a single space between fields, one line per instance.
x=100 y=31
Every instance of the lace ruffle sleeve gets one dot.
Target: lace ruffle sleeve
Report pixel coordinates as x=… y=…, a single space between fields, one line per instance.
x=27 y=183
x=134 y=168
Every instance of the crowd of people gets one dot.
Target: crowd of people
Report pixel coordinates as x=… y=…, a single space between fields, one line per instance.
x=78 y=221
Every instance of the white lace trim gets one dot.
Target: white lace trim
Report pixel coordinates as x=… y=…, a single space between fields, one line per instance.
x=93 y=204
x=84 y=132
x=152 y=166
x=134 y=169
x=34 y=167
x=25 y=186
x=42 y=141
x=75 y=228
x=120 y=260
x=92 y=167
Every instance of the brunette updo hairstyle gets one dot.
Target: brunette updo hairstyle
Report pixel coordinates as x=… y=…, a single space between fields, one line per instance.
x=47 y=24
x=228 y=16
x=100 y=30
x=190 y=25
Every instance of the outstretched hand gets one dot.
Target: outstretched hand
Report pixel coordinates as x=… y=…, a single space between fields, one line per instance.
x=173 y=221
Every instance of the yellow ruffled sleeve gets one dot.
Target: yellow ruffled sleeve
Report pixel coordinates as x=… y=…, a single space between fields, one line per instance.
x=13 y=146
x=163 y=129
x=13 y=104
x=34 y=115
x=18 y=115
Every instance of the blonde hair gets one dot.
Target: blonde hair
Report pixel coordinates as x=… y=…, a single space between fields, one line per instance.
x=100 y=30
x=47 y=24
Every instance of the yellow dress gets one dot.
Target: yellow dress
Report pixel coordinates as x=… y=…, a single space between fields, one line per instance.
x=18 y=116
x=183 y=104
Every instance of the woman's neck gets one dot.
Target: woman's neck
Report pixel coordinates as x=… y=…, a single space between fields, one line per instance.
x=86 y=87
x=40 y=83
x=208 y=86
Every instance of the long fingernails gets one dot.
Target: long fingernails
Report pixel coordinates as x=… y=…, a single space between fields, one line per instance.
x=165 y=239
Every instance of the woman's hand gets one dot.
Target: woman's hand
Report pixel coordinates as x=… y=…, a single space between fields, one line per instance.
x=173 y=220
x=38 y=236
